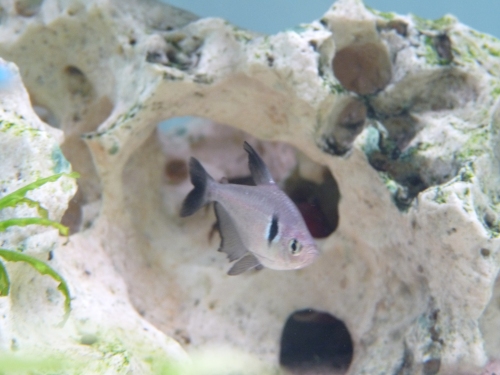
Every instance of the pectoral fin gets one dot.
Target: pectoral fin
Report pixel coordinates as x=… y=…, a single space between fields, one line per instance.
x=244 y=264
x=230 y=243
x=260 y=173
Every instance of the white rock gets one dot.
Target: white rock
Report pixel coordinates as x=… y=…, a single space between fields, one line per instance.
x=411 y=267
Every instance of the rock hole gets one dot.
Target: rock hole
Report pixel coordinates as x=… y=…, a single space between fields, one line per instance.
x=431 y=366
x=363 y=68
x=77 y=83
x=88 y=339
x=179 y=51
x=315 y=342
x=316 y=199
x=485 y=252
x=27 y=8
x=176 y=171
x=85 y=206
x=442 y=44
x=345 y=126
x=400 y=132
x=72 y=218
x=399 y=149
x=311 y=186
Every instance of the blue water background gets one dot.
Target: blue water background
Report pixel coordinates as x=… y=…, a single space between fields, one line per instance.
x=271 y=16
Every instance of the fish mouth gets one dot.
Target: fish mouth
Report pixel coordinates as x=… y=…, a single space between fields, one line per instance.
x=313 y=252
x=311 y=256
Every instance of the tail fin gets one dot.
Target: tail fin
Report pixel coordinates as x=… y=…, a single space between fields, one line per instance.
x=198 y=196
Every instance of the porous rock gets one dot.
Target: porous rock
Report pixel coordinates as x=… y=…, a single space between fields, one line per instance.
x=411 y=267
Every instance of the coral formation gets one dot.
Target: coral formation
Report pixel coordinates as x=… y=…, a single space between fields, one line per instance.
x=383 y=128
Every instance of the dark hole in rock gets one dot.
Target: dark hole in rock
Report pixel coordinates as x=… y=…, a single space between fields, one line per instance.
x=27 y=8
x=413 y=172
x=363 y=68
x=485 y=252
x=73 y=216
x=77 y=83
x=431 y=367
x=404 y=173
x=176 y=171
x=88 y=339
x=345 y=127
x=400 y=132
x=177 y=58
x=179 y=52
x=316 y=193
x=442 y=44
x=490 y=218
x=318 y=202
x=405 y=161
x=314 y=341
x=156 y=57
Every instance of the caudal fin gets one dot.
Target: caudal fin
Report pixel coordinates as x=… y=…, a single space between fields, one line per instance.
x=197 y=197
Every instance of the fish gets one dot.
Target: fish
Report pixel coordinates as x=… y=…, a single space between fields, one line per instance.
x=259 y=225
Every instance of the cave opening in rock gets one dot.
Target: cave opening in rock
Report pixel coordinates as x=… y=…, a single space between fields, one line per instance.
x=317 y=200
x=79 y=109
x=314 y=341
x=311 y=186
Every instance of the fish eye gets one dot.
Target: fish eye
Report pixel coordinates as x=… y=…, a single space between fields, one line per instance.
x=294 y=247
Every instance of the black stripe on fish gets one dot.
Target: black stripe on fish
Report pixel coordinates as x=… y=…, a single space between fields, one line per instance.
x=273 y=229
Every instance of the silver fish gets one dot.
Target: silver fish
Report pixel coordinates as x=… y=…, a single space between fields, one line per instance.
x=259 y=225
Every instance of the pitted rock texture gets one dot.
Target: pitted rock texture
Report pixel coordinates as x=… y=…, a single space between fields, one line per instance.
x=402 y=112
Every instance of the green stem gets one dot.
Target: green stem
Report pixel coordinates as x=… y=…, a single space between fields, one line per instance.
x=43 y=269
x=25 y=221
x=11 y=199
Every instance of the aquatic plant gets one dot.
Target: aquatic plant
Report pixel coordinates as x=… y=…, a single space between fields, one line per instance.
x=14 y=199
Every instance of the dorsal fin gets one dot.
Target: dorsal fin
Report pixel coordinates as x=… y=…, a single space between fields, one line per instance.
x=260 y=173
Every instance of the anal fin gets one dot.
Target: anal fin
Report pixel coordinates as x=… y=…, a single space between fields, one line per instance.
x=246 y=263
x=231 y=243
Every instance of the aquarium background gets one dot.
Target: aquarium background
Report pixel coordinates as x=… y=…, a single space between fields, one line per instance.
x=272 y=16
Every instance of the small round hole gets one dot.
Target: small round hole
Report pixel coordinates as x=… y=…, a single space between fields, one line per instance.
x=315 y=341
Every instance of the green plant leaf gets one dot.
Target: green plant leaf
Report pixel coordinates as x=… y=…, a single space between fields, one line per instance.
x=4 y=281
x=25 y=221
x=31 y=203
x=17 y=196
x=43 y=269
